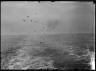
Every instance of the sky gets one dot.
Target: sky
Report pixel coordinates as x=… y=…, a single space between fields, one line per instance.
x=18 y=18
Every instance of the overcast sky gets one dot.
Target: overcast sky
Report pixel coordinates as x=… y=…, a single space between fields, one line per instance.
x=46 y=18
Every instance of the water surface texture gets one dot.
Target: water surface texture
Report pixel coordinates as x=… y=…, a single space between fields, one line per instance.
x=64 y=51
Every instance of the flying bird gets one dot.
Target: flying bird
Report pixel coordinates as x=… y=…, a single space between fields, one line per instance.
x=31 y=20
x=24 y=20
x=27 y=16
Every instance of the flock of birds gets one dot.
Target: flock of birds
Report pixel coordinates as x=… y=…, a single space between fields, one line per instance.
x=46 y=28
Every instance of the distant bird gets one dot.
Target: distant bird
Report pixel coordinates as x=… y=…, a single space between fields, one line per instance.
x=31 y=20
x=27 y=16
x=24 y=20
x=41 y=42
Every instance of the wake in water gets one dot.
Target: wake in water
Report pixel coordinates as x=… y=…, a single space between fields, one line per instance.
x=38 y=54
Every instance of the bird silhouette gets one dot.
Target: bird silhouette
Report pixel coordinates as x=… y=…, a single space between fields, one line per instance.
x=24 y=20
x=31 y=20
x=27 y=16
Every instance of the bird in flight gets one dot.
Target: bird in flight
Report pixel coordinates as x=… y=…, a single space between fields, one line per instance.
x=24 y=20
x=31 y=20
x=27 y=16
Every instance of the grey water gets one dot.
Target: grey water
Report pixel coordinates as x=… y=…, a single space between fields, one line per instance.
x=53 y=43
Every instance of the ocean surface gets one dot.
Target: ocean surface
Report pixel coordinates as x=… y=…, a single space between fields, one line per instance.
x=64 y=51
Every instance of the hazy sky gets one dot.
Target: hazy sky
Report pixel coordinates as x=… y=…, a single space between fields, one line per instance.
x=46 y=18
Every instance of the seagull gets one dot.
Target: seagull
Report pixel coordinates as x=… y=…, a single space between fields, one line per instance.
x=31 y=20
x=24 y=20
x=27 y=16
